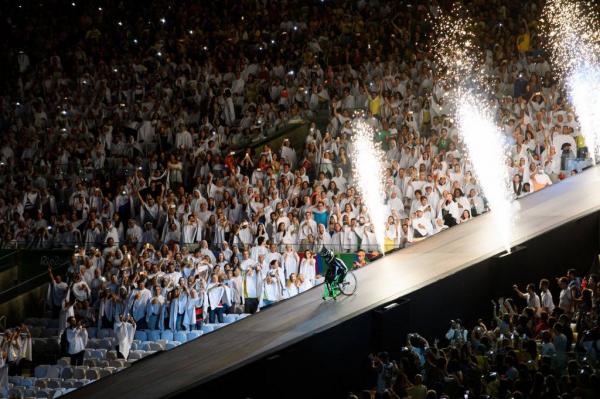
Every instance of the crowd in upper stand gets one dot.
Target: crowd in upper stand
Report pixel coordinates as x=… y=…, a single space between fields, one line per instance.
x=125 y=133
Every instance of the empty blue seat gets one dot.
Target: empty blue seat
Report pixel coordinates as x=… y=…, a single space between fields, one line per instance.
x=92 y=331
x=180 y=336
x=141 y=335
x=167 y=334
x=172 y=344
x=41 y=371
x=194 y=334
x=154 y=335
x=104 y=333
x=207 y=328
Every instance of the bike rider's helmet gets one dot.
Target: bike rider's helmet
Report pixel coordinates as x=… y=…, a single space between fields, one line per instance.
x=327 y=254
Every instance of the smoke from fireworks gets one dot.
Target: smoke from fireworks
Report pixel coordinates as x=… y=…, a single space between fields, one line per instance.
x=574 y=41
x=464 y=72
x=367 y=160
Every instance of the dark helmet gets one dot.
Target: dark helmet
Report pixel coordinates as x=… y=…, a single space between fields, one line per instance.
x=327 y=254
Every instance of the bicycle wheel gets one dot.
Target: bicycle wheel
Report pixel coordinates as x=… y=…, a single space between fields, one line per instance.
x=348 y=286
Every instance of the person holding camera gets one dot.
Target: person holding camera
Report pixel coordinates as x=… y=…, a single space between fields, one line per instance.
x=77 y=339
x=456 y=334
x=272 y=289
x=387 y=371
x=217 y=297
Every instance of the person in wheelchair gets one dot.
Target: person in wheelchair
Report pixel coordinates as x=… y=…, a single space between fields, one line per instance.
x=336 y=268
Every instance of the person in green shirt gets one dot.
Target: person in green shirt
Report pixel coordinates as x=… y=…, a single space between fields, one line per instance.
x=443 y=142
x=418 y=390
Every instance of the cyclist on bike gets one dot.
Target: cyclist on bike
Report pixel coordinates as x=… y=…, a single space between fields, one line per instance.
x=335 y=272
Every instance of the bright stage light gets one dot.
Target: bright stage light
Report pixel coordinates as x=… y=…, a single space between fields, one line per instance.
x=367 y=164
x=570 y=31
x=459 y=55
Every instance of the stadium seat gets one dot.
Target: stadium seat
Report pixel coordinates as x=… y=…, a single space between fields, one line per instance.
x=118 y=363
x=67 y=372
x=79 y=373
x=41 y=371
x=135 y=355
x=39 y=383
x=173 y=344
x=180 y=336
x=54 y=372
x=106 y=343
x=63 y=361
x=167 y=334
x=104 y=333
x=154 y=335
x=230 y=318
x=152 y=346
x=92 y=374
x=141 y=335
x=100 y=353
x=104 y=372
x=70 y=383
x=54 y=384
x=193 y=334
x=206 y=328
x=28 y=381
x=111 y=355
x=92 y=331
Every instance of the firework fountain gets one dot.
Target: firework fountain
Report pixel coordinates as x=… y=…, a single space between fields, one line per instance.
x=367 y=164
x=573 y=39
x=460 y=59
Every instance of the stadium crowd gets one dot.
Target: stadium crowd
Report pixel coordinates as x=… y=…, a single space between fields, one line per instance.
x=126 y=133
x=536 y=346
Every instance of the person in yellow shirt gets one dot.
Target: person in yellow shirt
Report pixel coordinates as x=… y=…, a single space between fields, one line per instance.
x=524 y=39
x=375 y=100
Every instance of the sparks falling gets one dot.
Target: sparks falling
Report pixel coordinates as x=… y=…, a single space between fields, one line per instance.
x=367 y=160
x=487 y=150
x=573 y=39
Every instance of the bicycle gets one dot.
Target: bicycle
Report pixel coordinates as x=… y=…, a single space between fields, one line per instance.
x=343 y=284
